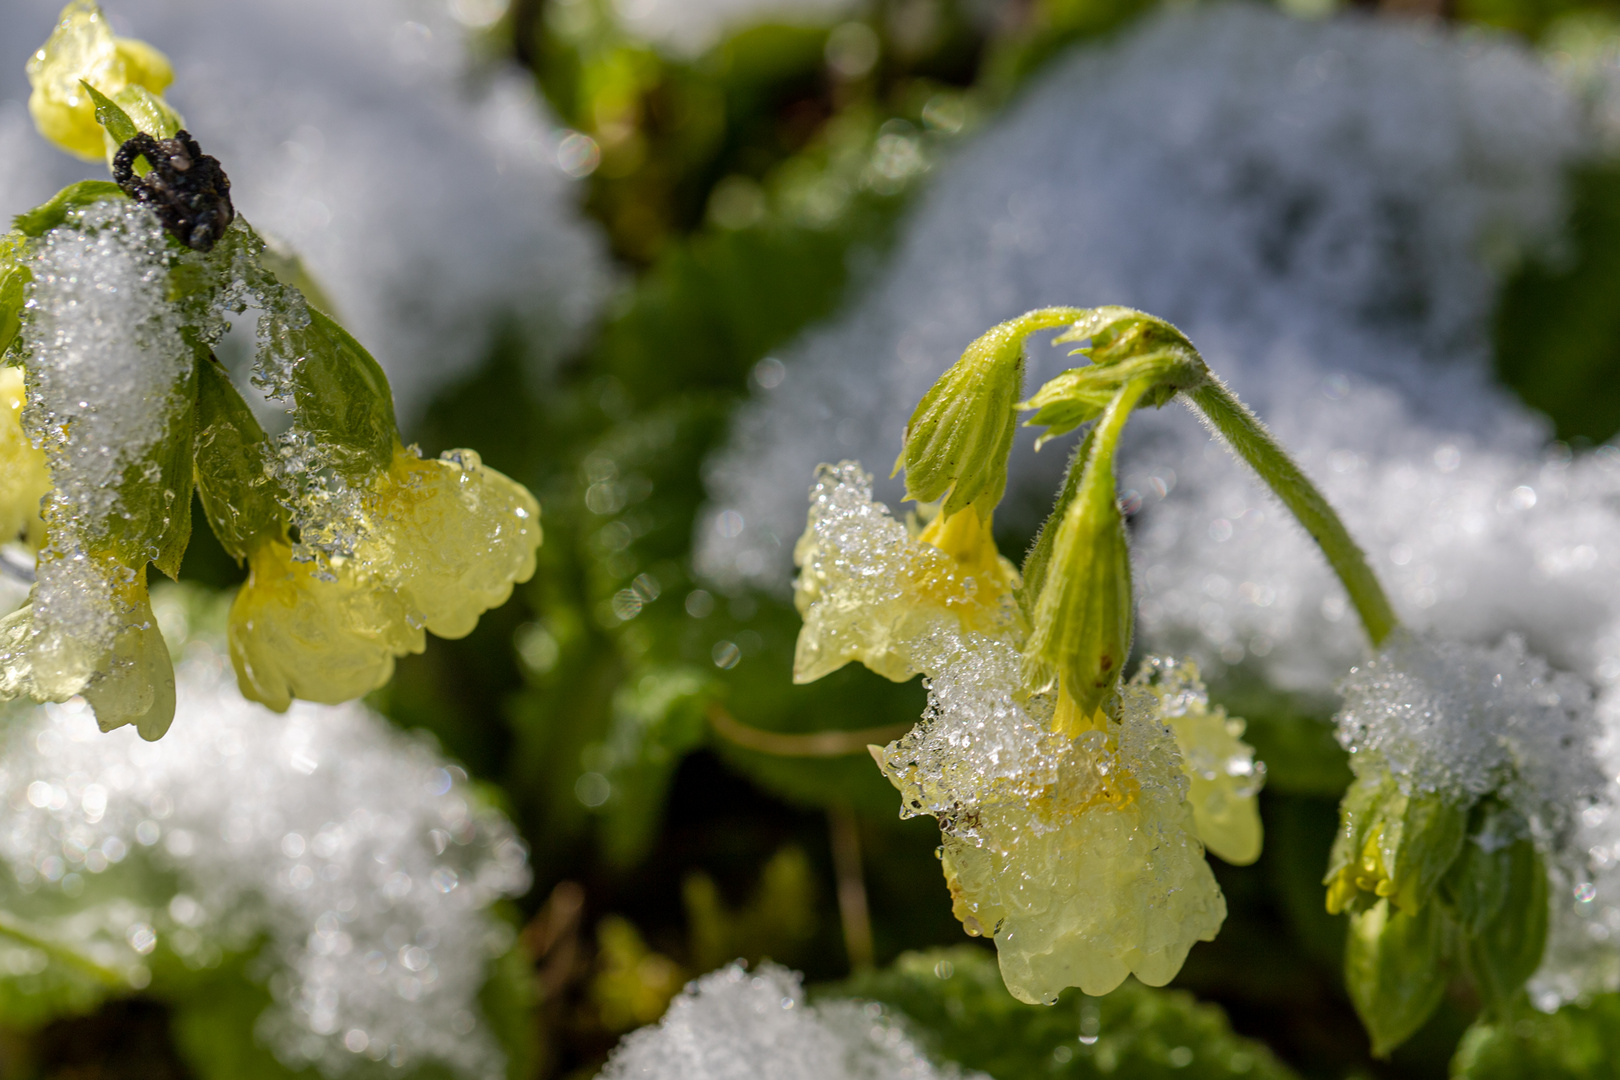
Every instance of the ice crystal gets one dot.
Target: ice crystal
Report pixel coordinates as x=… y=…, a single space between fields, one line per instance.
x=421 y=194
x=357 y=851
x=735 y=1025
x=1076 y=848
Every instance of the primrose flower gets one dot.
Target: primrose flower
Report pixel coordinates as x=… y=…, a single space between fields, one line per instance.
x=83 y=47
x=869 y=592
x=441 y=542
x=453 y=534
x=23 y=476
x=1068 y=837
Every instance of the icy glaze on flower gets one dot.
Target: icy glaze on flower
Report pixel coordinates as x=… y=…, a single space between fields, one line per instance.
x=83 y=47
x=23 y=479
x=1068 y=839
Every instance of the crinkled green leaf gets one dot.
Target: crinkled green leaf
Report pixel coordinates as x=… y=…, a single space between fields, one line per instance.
x=1395 y=969
x=1578 y=1042
x=959 y=1010
x=48 y=215
x=229 y=452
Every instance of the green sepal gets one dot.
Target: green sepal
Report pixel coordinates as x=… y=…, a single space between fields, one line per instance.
x=961 y=433
x=1126 y=346
x=342 y=398
x=14 y=278
x=1503 y=953
x=176 y=484
x=48 y=215
x=1081 y=630
x=230 y=447
x=119 y=127
x=1033 y=575
x=1396 y=970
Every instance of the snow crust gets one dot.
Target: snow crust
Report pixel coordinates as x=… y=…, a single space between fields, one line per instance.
x=735 y=1025
x=355 y=850
x=420 y=188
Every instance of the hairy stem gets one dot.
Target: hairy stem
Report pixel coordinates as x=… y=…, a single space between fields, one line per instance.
x=1250 y=440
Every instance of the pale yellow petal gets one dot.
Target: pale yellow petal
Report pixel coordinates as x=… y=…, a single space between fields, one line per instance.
x=23 y=476
x=82 y=47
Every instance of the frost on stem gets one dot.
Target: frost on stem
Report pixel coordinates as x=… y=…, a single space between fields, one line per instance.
x=1070 y=840
x=354 y=860
x=736 y=1025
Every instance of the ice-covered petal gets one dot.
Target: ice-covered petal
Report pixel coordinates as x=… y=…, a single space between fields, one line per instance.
x=453 y=534
x=1224 y=779
x=83 y=47
x=324 y=634
x=870 y=592
x=23 y=479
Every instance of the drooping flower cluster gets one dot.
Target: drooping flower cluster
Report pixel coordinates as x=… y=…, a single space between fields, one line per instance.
x=355 y=543
x=1070 y=839
x=1474 y=768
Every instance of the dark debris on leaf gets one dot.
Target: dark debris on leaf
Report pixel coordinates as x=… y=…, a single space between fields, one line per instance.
x=186 y=188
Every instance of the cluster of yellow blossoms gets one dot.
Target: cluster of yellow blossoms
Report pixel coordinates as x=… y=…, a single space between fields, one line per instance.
x=1076 y=841
x=109 y=322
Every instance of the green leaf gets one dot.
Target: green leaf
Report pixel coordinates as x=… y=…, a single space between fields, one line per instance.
x=1395 y=969
x=110 y=116
x=229 y=451
x=342 y=398
x=147 y=112
x=14 y=278
x=1578 y=1042
x=48 y=215
x=959 y=1010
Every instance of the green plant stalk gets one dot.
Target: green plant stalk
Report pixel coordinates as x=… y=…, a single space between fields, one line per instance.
x=19 y=930
x=1252 y=442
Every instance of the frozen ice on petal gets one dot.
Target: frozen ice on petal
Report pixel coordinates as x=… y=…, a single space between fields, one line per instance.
x=1077 y=851
x=318 y=831
x=733 y=1024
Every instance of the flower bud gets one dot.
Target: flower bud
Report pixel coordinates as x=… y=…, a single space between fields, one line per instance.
x=1392 y=845
x=1081 y=631
x=1395 y=970
x=961 y=432
x=82 y=48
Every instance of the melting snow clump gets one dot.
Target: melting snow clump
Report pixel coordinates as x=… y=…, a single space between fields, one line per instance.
x=357 y=852
x=735 y=1025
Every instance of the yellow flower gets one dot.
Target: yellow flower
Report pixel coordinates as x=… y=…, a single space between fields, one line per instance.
x=83 y=47
x=102 y=642
x=135 y=683
x=873 y=594
x=440 y=542
x=1068 y=834
x=1224 y=778
x=453 y=536
x=322 y=633
x=23 y=477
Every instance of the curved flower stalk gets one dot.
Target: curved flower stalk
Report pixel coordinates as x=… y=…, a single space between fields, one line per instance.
x=111 y=298
x=1075 y=808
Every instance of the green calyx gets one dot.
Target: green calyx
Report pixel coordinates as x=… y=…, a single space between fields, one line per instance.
x=1081 y=627
x=960 y=434
x=1127 y=346
x=1465 y=896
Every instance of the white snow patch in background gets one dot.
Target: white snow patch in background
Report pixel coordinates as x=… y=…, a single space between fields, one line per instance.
x=1328 y=210
x=689 y=27
x=355 y=849
x=732 y=1025
x=422 y=194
